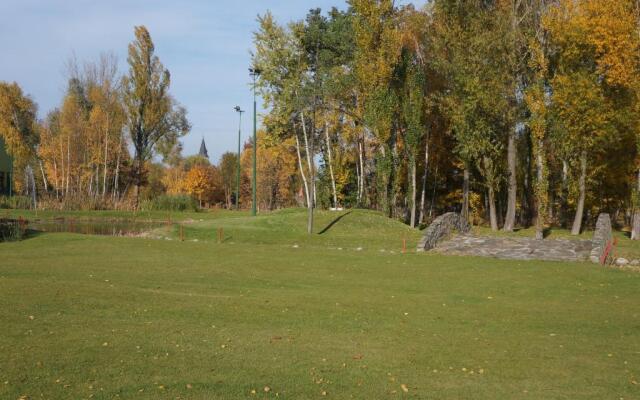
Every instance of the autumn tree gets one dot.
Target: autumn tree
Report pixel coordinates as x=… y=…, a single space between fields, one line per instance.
x=595 y=49
x=201 y=182
x=152 y=115
x=228 y=166
x=18 y=128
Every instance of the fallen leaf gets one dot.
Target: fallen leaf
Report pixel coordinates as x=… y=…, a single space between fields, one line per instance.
x=404 y=388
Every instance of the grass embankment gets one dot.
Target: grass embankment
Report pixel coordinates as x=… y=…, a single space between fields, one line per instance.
x=104 y=317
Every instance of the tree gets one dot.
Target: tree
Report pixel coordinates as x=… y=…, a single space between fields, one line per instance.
x=595 y=46
x=228 y=166
x=18 y=128
x=153 y=118
x=200 y=182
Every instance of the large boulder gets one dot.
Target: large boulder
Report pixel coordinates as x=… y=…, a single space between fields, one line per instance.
x=601 y=238
x=442 y=227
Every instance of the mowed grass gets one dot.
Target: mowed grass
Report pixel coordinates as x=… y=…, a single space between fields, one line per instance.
x=104 y=318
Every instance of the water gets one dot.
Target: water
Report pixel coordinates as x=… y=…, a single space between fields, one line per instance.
x=95 y=227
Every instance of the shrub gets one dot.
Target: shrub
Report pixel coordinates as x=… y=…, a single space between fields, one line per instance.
x=170 y=203
x=15 y=202
x=11 y=230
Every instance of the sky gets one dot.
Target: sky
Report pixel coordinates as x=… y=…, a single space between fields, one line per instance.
x=205 y=44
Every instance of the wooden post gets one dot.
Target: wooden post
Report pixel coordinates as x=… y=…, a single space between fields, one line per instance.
x=404 y=245
x=181 y=233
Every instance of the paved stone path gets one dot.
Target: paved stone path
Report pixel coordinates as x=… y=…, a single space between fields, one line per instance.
x=516 y=248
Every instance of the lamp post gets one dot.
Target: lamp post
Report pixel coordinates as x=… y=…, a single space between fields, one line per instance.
x=254 y=72
x=239 y=111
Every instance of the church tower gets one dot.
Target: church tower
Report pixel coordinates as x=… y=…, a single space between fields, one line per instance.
x=203 y=150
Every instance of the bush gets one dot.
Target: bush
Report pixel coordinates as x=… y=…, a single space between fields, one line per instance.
x=15 y=202
x=170 y=203
x=11 y=230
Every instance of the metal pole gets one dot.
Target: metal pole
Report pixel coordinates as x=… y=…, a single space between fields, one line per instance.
x=255 y=147
x=238 y=166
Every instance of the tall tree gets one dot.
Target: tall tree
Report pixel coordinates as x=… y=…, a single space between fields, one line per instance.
x=18 y=128
x=153 y=118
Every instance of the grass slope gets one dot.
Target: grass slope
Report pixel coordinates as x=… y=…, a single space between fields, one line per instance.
x=104 y=318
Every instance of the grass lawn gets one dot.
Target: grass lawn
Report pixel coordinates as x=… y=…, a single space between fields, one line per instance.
x=327 y=316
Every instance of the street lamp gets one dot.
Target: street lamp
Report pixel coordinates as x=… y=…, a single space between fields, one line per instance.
x=254 y=72
x=239 y=111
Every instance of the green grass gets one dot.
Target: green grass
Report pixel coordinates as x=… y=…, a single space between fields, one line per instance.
x=104 y=318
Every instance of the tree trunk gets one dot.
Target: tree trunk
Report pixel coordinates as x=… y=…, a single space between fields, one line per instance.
x=307 y=154
x=635 y=231
x=493 y=217
x=414 y=190
x=55 y=176
x=68 y=164
x=465 y=195
x=540 y=193
x=117 y=172
x=433 y=194
x=362 y=171
x=563 y=194
x=424 y=183
x=333 y=179
x=577 y=222
x=106 y=154
x=136 y=193
x=138 y=166
x=510 y=218
x=300 y=166
x=44 y=177
x=312 y=194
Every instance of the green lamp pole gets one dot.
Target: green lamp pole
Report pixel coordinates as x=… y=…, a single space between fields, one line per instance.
x=239 y=111
x=254 y=72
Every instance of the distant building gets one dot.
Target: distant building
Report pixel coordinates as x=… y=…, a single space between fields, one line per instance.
x=5 y=170
x=203 y=150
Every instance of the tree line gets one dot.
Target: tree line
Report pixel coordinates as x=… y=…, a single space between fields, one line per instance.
x=514 y=112
x=114 y=142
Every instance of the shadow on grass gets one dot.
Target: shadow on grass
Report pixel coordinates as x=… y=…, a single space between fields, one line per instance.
x=332 y=223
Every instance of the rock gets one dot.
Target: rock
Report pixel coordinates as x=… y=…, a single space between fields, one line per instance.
x=621 y=262
x=601 y=237
x=442 y=227
x=635 y=263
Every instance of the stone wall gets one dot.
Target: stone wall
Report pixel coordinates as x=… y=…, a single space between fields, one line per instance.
x=442 y=227
x=601 y=237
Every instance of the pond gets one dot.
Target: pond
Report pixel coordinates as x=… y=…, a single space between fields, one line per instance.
x=95 y=227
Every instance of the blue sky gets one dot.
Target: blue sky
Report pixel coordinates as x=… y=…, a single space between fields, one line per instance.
x=205 y=44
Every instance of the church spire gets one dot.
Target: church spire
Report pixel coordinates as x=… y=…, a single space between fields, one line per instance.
x=203 y=150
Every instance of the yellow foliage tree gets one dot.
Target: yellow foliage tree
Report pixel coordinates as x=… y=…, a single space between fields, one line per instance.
x=200 y=182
